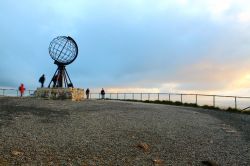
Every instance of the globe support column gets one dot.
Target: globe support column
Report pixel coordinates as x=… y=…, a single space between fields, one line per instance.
x=61 y=78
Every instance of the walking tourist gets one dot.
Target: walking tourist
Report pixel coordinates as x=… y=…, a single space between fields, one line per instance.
x=21 y=89
x=103 y=93
x=42 y=80
x=87 y=93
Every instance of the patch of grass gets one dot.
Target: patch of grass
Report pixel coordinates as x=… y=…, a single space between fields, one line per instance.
x=209 y=107
x=178 y=103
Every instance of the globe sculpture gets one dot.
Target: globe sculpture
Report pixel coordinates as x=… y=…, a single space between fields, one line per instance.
x=63 y=50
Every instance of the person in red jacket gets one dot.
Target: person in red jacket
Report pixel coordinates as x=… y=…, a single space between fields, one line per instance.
x=21 y=89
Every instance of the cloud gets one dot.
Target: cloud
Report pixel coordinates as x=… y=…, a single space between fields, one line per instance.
x=244 y=17
x=182 y=45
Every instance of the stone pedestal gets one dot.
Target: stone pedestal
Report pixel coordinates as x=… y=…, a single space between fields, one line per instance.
x=74 y=94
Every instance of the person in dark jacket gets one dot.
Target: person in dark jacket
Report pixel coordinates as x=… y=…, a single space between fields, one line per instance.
x=54 y=80
x=42 y=80
x=103 y=93
x=87 y=93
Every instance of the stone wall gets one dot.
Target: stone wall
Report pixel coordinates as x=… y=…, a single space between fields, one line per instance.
x=74 y=94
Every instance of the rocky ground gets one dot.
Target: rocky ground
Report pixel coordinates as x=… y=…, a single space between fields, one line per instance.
x=104 y=132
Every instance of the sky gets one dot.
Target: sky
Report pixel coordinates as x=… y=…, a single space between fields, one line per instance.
x=187 y=46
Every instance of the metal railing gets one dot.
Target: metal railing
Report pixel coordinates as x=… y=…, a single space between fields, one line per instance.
x=15 y=92
x=221 y=101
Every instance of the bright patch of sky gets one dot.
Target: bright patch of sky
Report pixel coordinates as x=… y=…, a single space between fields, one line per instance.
x=131 y=45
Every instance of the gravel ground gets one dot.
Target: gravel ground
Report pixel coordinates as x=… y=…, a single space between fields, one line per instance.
x=104 y=132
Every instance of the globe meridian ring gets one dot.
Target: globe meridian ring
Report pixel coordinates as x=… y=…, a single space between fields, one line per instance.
x=63 y=50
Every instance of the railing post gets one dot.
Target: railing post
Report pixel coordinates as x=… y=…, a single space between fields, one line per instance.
x=141 y=96
x=169 y=97
x=158 y=97
x=90 y=95
x=110 y=96
x=133 y=96
x=181 y=98
x=196 y=99
x=99 y=96
x=214 y=100
x=235 y=102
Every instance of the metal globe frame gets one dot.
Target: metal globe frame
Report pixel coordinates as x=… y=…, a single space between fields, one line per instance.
x=63 y=50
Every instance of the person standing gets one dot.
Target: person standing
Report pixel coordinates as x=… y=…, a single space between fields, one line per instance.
x=21 y=89
x=54 y=80
x=103 y=93
x=42 y=80
x=87 y=93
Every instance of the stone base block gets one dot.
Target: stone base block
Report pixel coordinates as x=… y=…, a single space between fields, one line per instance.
x=74 y=94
